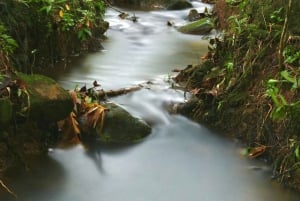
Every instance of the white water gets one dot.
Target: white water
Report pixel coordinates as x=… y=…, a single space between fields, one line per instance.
x=179 y=161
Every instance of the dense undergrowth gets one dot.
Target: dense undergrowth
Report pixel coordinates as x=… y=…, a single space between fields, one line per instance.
x=248 y=84
x=38 y=33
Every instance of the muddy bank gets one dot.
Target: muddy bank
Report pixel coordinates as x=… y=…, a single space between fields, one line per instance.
x=240 y=89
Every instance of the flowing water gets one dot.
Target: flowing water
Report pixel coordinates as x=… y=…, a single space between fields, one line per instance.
x=179 y=161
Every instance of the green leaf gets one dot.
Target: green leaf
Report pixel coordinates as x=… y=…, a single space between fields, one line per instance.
x=273 y=81
x=286 y=75
x=297 y=152
x=19 y=92
x=245 y=151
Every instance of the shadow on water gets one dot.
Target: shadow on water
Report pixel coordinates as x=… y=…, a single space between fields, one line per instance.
x=45 y=178
x=94 y=150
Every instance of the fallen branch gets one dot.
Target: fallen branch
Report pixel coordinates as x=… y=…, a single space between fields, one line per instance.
x=8 y=190
x=112 y=93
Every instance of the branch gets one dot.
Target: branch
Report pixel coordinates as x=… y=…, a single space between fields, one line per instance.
x=8 y=190
x=111 y=93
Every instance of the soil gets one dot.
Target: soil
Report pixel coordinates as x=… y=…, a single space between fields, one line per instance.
x=237 y=105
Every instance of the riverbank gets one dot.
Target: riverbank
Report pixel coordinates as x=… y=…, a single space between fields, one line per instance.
x=246 y=87
x=35 y=35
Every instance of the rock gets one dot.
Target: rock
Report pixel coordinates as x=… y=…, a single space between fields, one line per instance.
x=119 y=127
x=48 y=101
x=201 y=27
x=193 y=15
x=179 y=5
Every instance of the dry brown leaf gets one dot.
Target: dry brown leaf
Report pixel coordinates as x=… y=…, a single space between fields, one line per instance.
x=74 y=123
x=70 y=130
x=195 y=91
x=95 y=115
x=257 y=151
x=73 y=95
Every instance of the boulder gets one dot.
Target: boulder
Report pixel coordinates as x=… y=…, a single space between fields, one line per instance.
x=119 y=127
x=199 y=27
x=48 y=101
x=179 y=5
x=193 y=15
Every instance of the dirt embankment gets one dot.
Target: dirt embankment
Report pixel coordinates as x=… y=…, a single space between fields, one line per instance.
x=234 y=91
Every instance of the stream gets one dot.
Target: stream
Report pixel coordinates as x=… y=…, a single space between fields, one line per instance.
x=179 y=161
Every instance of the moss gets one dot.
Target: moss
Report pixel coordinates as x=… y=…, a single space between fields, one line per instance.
x=48 y=101
x=202 y=26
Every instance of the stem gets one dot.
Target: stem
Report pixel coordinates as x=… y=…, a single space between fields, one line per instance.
x=283 y=37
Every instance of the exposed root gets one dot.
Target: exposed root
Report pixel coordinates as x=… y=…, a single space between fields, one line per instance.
x=8 y=190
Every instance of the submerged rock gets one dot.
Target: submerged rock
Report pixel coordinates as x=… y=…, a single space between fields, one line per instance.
x=201 y=27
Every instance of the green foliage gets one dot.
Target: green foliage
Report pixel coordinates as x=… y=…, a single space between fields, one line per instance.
x=71 y=15
x=277 y=16
x=53 y=29
x=291 y=55
x=281 y=106
x=7 y=43
x=238 y=23
x=295 y=146
x=293 y=79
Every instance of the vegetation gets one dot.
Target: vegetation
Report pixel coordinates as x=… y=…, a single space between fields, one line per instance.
x=250 y=81
x=41 y=32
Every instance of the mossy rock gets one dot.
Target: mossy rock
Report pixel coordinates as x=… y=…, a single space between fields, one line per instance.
x=121 y=127
x=199 y=27
x=49 y=102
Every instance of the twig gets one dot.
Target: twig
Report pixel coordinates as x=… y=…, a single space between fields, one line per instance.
x=8 y=190
x=109 y=5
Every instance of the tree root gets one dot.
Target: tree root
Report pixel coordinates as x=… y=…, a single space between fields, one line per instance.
x=7 y=189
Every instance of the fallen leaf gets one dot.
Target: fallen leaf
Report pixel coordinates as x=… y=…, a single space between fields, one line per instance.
x=61 y=13
x=95 y=115
x=67 y=7
x=257 y=151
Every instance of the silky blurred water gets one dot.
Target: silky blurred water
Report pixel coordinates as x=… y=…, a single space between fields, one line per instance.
x=180 y=160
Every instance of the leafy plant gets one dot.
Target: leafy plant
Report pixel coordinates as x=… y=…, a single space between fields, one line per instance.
x=281 y=106
x=288 y=77
x=295 y=146
x=277 y=16
x=291 y=55
x=7 y=43
x=86 y=108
